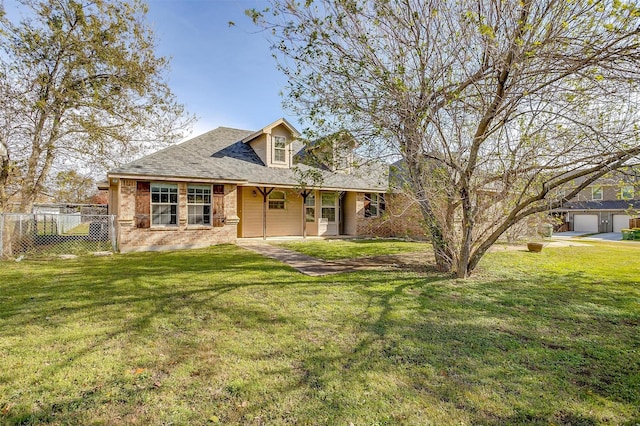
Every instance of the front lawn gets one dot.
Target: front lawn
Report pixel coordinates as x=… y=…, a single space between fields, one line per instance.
x=347 y=249
x=225 y=336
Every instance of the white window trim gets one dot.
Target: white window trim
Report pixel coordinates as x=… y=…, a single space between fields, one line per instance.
x=283 y=149
x=593 y=193
x=209 y=204
x=307 y=206
x=152 y=204
x=329 y=206
x=630 y=190
x=282 y=200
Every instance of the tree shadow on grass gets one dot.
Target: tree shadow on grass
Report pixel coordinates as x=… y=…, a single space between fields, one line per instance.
x=368 y=347
x=499 y=354
x=129 y=302
x=95 y=283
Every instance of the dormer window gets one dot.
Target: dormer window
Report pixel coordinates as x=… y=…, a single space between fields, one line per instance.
x=279 y=149
x=273 y=143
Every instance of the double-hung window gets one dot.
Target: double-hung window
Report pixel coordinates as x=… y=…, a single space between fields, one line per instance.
x=310 y=208
x=626 y=192
x=199 y=205
x=164 y=204
x=328 y=202
x=276 y=200
x=279 y=149
x=596 y=193
x=373 y=204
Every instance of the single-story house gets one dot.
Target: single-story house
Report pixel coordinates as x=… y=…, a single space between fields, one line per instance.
x=230 y=183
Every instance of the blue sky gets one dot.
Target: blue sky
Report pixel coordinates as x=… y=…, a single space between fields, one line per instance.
x=223 y=74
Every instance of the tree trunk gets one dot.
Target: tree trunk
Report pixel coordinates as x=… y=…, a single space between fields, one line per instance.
x=34 y=179
x=464 y=255
x=442 y=254
x=441 y=249
x=4 y=181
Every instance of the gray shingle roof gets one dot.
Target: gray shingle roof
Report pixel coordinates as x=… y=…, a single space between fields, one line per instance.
x=600 y=205
x=221 y=155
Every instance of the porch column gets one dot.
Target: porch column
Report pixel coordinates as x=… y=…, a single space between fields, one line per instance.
x=265 y=193
x=305 y=194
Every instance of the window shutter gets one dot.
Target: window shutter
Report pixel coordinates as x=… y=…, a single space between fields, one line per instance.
x=218 y=205
x=143 y=204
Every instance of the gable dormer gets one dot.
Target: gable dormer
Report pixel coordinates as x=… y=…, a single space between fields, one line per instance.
x=334 y=152
x=273 y=143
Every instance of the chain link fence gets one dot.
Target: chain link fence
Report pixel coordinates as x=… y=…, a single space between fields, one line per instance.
x=41 y=235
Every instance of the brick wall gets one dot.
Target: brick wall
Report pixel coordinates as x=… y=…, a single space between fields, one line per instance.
x=402 y=218
x=173 y=238
x=133 y=237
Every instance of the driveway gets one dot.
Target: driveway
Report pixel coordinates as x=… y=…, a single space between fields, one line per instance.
x=607 y=236
x=568 y=234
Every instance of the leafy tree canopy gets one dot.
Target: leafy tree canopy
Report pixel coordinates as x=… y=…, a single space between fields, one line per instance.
x=80 y=84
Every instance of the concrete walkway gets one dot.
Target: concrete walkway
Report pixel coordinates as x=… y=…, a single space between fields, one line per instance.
x=306 y=264
x=317 y=267
x=415 y=261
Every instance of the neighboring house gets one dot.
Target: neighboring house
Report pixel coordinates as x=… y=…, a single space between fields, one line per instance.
x=231 y=183
x=605 y=206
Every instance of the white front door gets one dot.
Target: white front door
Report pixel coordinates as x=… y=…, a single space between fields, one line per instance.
x=328 y=221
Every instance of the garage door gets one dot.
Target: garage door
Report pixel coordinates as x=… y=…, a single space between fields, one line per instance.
x=585 y=223
x=620 y=221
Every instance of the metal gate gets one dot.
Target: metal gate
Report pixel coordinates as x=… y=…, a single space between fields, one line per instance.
x=51 y=235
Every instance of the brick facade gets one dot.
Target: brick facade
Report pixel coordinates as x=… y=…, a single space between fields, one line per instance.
x=136 y=234
x=401 y=218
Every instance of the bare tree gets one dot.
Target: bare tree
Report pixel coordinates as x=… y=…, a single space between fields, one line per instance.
x=80 y=86
x=492 y=105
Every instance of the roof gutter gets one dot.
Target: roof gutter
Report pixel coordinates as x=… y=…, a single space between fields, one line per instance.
x=174 y=178
x=319 y=188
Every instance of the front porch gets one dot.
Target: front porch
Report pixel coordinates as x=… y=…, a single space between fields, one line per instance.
x=267 y=212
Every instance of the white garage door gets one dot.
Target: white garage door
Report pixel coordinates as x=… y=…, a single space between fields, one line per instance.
x=620 y=221
x=585 y=223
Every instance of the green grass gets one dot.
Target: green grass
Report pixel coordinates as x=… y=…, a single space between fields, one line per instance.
x=82 y=229
x=347 y=249
x=224 y=336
